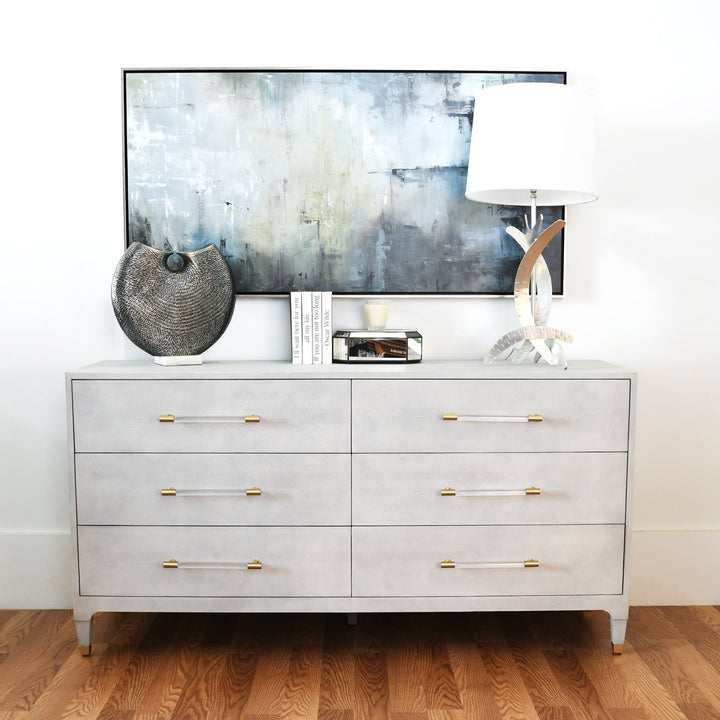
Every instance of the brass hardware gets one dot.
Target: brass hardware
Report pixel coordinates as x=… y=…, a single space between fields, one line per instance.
x=451 y=564
x=201 y=565
x=85 y=650
x=493 y=418
x=169 y=418
x=452 y=492
x=214 y=492
x=618 y=648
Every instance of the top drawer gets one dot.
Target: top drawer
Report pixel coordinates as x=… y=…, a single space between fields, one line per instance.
x=407 y=415
x=294 y=415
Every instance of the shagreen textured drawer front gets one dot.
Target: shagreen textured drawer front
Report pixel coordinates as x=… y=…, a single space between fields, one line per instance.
x=489 y=488
x=212 y=416
x=212 y=489
x=491 y=560
x=272 y=487
x=190 y=562
x=490 y=415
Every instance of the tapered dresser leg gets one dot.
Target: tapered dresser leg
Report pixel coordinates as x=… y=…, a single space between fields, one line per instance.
x=84 y=635
x=618 y=628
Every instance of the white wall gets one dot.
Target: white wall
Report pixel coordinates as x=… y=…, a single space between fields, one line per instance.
x=641 y=262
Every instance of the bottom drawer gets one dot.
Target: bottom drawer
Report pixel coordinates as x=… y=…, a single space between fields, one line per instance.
x=213 y=561
x=489 y=560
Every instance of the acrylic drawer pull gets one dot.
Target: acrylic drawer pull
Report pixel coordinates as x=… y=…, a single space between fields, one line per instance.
x=176 y=565
x=170 y=418
x=452 y=492
x=210 y=492
x=451 y=565
x=533 y=417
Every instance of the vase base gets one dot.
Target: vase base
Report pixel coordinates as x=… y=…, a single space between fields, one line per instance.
x=178 y=360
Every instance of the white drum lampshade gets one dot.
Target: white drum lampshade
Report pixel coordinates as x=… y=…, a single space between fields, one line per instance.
x=532 y=136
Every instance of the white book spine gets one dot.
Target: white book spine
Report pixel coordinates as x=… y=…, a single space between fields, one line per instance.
x=306 y=304
x=326 y=339
x=296 y=327
x=316 y=327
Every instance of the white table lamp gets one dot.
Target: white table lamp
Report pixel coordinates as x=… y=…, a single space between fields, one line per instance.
x=533 y=144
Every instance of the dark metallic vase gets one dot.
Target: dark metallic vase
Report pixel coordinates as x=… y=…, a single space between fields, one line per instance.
x=171 y=304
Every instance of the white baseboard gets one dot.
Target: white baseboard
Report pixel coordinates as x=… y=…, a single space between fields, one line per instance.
x=675 y=567
x=668 y=567
x=35 y=570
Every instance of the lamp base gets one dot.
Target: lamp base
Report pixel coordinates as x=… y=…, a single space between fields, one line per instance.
x=533 y=291
x=538 y=333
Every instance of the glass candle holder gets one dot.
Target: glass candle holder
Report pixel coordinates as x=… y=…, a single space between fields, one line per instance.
x=376 y=313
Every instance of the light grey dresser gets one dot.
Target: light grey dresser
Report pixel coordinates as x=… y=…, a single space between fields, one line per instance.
x=272 y=487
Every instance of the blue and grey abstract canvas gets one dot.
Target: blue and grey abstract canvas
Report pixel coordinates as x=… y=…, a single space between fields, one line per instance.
x=352 y=182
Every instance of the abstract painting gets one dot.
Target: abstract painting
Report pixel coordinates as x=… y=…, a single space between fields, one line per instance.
x=348 y=181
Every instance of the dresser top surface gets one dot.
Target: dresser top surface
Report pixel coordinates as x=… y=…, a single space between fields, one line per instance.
x=146 y=369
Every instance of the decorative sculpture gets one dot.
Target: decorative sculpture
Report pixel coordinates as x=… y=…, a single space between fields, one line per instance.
x=533 y=295
x=173 y=306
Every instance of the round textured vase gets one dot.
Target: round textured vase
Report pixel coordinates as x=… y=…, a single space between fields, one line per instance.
x=172 y=304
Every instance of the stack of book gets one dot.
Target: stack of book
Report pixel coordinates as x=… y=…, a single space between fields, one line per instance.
x=311 y=327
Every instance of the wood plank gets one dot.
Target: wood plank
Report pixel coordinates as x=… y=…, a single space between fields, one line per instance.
x=302 y=685
x=583 y=697
x=694 y=711
x=370 y=699
x=218 y=682
x=495 y=666
x=605 y=670
x=40 y=652
x=176 y=665
x=273 y=665
x=409 y=663
x=473 y=682
x=88 y=701
x=700 y=626
x=542 y=686
x=508 y=689
x=337 y=678
x=140 y=671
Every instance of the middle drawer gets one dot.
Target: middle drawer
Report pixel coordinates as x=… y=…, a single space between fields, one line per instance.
x=196 y=489
x=489 y=488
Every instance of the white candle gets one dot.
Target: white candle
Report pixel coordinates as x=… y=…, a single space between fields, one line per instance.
x=376 y=313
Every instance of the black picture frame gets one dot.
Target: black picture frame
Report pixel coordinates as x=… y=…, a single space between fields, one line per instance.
x=344 y=180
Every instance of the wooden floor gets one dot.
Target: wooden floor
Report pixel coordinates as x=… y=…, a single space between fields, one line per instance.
x=479 y=666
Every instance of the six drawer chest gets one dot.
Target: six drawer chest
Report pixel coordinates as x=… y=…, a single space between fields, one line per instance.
x=272 y=487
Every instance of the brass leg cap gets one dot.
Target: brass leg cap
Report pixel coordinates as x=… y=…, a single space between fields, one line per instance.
x=85 y=650
x=618 y=649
